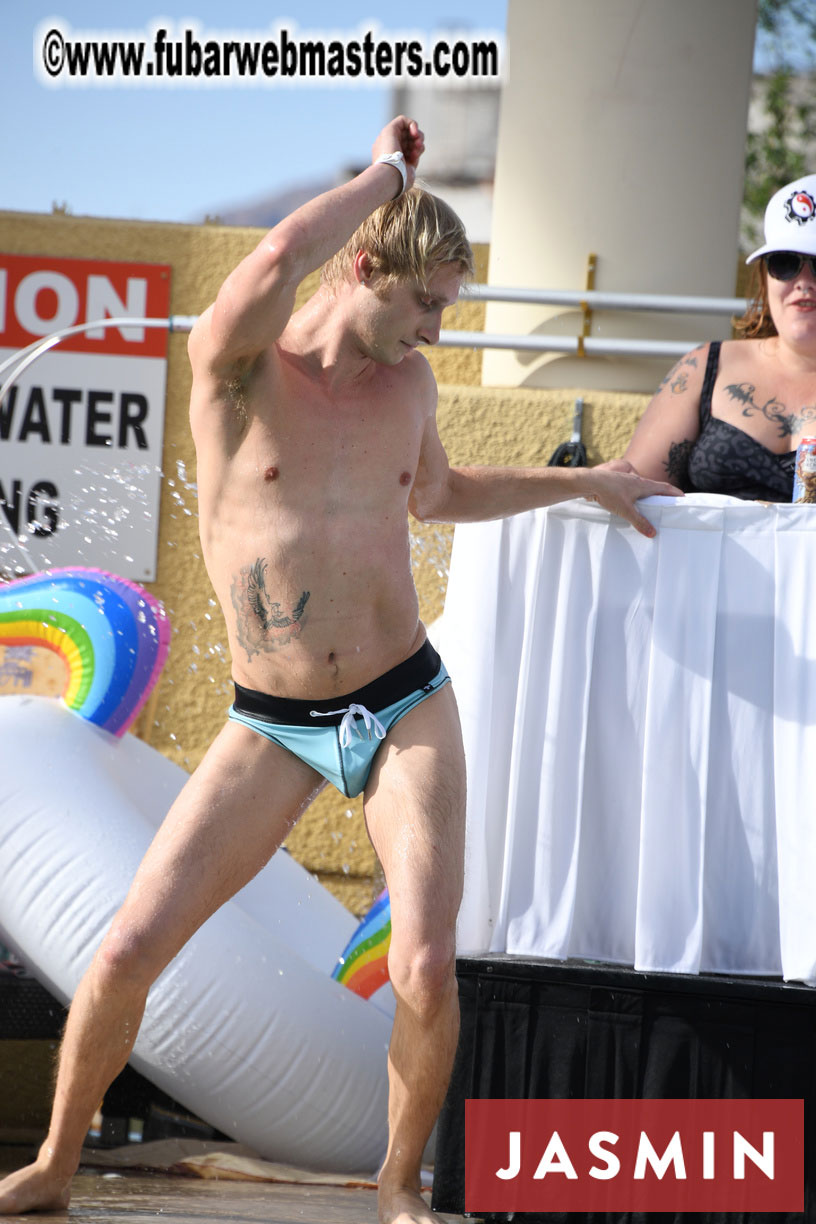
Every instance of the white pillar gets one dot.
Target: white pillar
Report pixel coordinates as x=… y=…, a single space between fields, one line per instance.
x=622 y=134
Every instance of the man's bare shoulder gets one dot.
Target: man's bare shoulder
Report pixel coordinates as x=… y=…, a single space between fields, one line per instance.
x=215 y=374
x=420 y=379
x=223 y=390
x=199 y=334
x=206 y=360
x=207 y=357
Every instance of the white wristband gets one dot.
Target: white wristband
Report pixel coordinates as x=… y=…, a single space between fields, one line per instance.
x=397 y=160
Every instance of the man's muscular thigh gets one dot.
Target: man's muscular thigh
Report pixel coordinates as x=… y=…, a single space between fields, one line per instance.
x=226 y=823
x=415 y=808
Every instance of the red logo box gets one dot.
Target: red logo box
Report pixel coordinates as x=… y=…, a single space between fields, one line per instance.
x=633 y=1155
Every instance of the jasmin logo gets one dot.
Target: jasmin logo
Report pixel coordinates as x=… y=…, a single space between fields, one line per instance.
x=632 y=1155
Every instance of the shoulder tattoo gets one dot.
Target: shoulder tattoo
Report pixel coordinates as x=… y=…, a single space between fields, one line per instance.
x=677 y=376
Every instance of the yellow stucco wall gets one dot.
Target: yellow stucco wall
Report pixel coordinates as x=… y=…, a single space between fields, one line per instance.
x=477 y=425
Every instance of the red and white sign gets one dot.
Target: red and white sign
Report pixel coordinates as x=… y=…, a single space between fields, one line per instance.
x=634 y=1155
x=81 y=429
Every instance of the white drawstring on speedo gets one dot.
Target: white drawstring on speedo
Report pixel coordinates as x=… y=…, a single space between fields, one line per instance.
x=349 y=723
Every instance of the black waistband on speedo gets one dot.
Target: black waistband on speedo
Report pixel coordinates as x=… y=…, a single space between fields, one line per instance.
x=413 y=673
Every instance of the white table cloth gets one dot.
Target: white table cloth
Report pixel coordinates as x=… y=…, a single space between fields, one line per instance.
x=640 y=730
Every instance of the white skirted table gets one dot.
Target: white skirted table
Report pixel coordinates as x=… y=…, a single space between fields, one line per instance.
x=640 y=729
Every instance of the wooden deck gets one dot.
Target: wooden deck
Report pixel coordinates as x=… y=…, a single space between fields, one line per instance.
x=126 y=1196
x=129 y=1198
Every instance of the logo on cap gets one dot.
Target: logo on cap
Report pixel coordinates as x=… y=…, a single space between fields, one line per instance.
x=800 y=207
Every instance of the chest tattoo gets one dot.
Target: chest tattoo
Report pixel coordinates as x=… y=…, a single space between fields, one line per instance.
x=262 y=623
x=787 y=421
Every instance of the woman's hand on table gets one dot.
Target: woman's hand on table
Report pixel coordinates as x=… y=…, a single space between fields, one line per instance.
x=617 y=487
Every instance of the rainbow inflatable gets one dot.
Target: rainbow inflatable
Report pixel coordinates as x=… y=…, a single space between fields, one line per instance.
x=363 y=966
x=112 y=635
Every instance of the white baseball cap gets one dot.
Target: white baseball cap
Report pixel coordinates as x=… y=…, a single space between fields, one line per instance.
x=790 y=219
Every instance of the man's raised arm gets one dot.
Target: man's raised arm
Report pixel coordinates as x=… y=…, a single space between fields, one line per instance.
x=254 y=303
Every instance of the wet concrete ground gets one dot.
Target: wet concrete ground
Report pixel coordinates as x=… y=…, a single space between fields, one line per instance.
x=130 y=1197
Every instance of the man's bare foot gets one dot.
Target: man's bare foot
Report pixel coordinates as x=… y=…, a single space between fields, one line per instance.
x=405 y=1207
x=34 y=1188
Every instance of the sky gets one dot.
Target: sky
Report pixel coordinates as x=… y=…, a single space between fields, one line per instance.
x=178 y=154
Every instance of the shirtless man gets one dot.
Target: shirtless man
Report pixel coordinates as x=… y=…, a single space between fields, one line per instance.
x=315 y=435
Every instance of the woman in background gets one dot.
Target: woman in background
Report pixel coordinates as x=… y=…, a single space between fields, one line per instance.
x=729 y=416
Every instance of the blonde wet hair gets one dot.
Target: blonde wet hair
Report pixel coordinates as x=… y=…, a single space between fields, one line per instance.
x=406 y=239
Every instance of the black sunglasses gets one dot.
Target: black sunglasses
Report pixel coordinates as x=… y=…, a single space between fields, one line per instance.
x=785 y=265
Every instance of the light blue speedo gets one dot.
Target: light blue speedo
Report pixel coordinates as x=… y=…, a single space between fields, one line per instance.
x=343 y=753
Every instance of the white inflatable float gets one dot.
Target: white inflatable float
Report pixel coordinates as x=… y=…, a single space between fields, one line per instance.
x=246 y=1027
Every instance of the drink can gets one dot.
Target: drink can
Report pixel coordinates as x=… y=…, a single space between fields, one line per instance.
x=804 y=477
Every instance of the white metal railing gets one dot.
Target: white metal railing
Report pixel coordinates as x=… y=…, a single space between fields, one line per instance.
x=595 y=300
x=24 y=357
x=579 y=346
x=586 y=301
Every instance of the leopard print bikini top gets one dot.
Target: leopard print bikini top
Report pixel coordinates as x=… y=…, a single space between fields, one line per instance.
x=725 y=459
